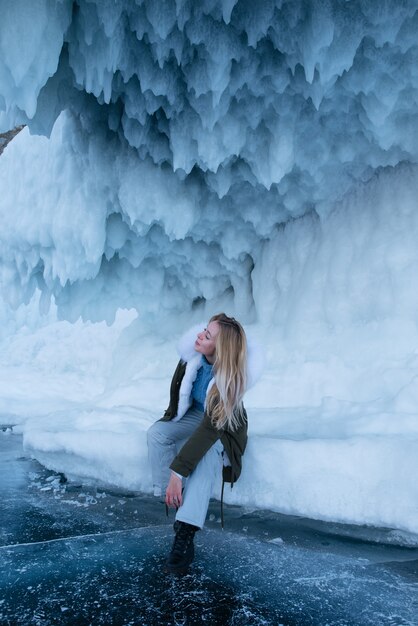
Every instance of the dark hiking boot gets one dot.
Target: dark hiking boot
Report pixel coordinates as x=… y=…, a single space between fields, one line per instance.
x=182 y=551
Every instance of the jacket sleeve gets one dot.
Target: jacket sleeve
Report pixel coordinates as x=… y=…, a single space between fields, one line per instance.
x=174 y=390
x=196 y=447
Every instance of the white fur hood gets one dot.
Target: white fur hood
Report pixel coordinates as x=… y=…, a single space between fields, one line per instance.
x=255 y=356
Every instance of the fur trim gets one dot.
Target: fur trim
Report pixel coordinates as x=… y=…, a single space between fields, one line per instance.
x=185 y=345
x=187 y=383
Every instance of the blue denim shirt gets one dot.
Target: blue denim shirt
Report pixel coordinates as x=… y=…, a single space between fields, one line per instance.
x=200 y=385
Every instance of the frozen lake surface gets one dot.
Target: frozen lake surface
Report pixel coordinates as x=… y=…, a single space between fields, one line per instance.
x=72 y=554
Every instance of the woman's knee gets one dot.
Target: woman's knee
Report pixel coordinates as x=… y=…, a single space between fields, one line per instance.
x=157 y=433
x=151 y=432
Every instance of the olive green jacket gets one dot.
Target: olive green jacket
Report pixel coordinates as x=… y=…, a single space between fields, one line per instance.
x=206 y=434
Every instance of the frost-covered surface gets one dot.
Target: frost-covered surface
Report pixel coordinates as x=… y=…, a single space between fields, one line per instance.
x=192 y=157
x=191 y=130
x=349 y=460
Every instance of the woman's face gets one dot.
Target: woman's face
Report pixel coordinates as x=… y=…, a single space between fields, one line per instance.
x=206 y=340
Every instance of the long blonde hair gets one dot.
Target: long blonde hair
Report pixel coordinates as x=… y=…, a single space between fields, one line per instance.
x=224 y=400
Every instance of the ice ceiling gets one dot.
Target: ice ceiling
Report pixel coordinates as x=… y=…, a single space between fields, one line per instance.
x=183 y=135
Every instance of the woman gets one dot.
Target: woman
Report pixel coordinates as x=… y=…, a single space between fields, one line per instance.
x=204 y=422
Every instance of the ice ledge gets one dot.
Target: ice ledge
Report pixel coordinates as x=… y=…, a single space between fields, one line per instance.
x=367 y=479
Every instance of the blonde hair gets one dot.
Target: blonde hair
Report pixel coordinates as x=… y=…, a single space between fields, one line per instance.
x=224 y=400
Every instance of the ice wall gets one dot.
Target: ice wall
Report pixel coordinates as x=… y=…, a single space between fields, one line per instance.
x=182 y=134
x=183 y=157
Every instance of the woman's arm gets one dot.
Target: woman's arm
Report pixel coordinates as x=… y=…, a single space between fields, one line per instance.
x=196 y=447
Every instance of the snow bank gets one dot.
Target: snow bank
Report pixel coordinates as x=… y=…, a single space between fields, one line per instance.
x=350 y=461
x=360 y=478
x=101 y=446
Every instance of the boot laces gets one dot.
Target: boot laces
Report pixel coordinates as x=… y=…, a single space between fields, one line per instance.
x=183 y=538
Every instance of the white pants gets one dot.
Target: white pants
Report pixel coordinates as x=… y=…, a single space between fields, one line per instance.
x=165 y=439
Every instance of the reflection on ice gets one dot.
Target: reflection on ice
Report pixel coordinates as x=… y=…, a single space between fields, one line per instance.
x=116 y=578
x=77 y=555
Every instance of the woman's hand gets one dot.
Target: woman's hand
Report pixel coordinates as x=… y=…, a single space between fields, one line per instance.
x=173 y=493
